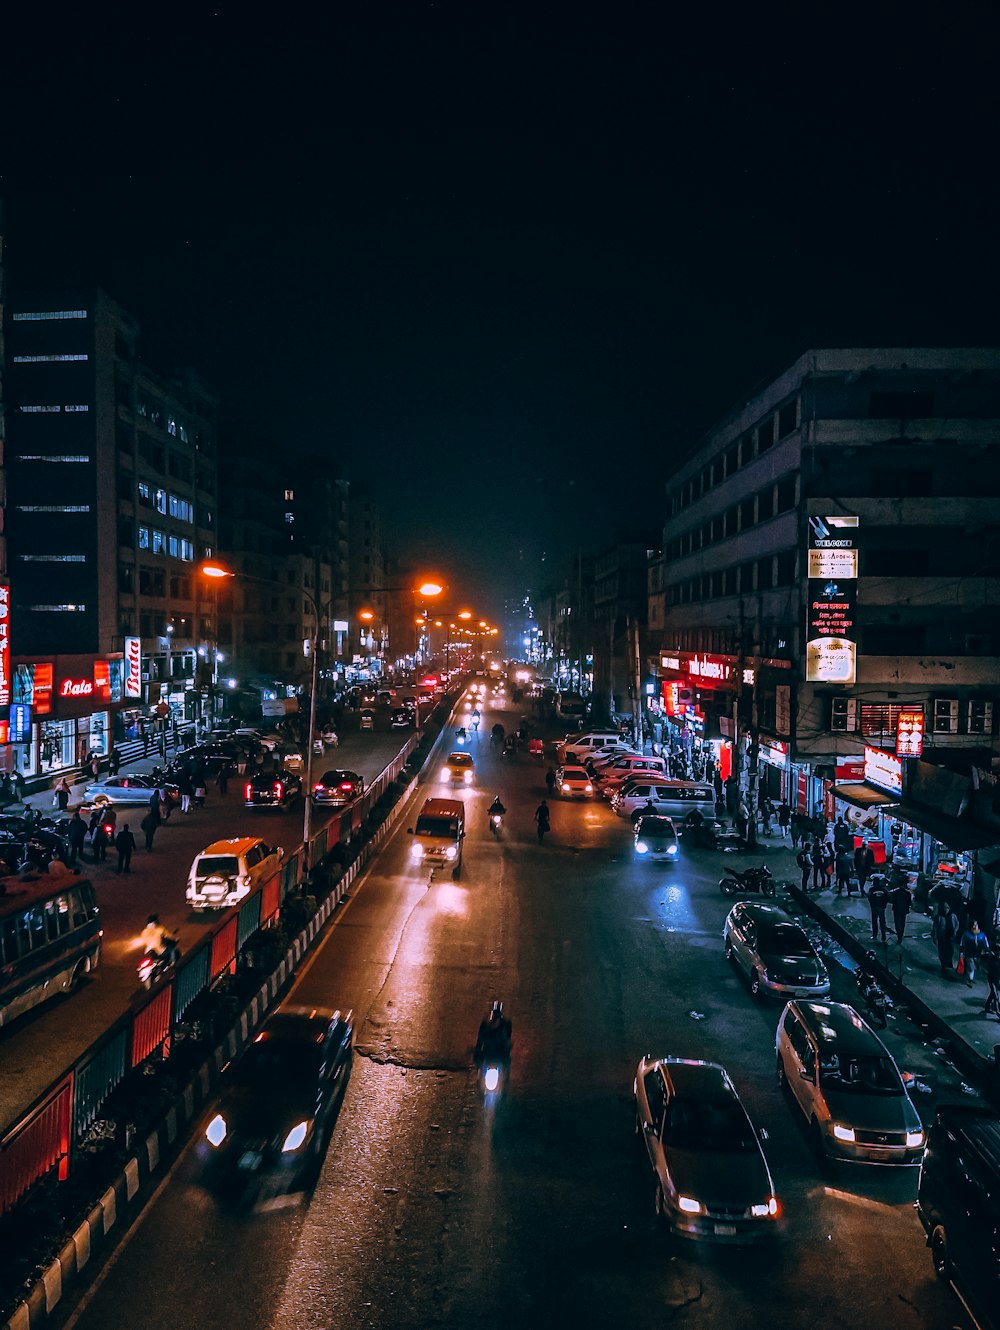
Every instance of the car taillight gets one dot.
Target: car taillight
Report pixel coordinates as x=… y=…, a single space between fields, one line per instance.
x=345 y=785
x=248 y=792
x=318 y=786
x=108 y=828
x=278 y=788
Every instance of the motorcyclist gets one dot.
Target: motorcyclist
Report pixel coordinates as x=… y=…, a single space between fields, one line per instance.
x=496 y=808
x=157 y=940
x=495 y=1036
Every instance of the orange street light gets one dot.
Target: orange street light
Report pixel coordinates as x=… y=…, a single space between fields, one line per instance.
x=464 y=614
x=430 y=589
x=367 y=615
x=212 y=568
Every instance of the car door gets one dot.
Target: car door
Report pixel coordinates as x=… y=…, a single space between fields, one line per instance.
x=656 y=1106
x=802 y=1069
x=738 y=937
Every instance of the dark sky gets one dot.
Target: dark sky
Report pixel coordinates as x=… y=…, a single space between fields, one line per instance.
x=506 y=262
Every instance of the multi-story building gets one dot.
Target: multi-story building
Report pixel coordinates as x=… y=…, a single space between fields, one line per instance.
x=831 y=563
x=368 y=580
x=112 y=473
x=619 y=636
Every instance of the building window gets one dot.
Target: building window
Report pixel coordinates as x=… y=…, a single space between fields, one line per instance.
x=187 y=551
x=765 y=504
x=786 y=494
x=732 y=520
x=289 y=517
x=746 y=449
x=161 y=502
x=43 y=316
x=53 y=507
x=126 y=578
x=144 y=537
x=746 y=514
x=181 y=509
x=171 y=425
x=785 y=572
x=159 y=541
x=902 y=481
x=145 y=495
x=173 y=546
x=289 y=496
x=765 y=434
x=732 y=459
x=44 y=360
x=182 y=433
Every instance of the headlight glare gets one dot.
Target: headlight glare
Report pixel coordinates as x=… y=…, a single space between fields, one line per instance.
x=689 y=1205
x=671 y=849
x=641 y=847
x=294 y=1139
x=913 y=1139
x=843 y=1133
x=450 y=852
x=216 y=1130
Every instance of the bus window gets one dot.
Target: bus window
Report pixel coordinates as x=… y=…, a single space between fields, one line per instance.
x=52 y=919
x=8 y=941
x=62 y=909
x=89 y=900
x=77 y=908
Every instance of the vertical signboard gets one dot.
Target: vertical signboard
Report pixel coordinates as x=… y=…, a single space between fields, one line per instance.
x=910 y=732
x=4 y=643
x=133 y=667
x=831 y=638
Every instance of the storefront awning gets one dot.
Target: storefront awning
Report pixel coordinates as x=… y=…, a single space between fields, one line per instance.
x=955 y=832
x=862 y=796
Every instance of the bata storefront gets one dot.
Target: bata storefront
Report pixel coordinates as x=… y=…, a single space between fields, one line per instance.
x=61 y=710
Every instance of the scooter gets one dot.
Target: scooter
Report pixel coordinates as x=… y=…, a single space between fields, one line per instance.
x=872 y=993
x=156 y=963
x=496 y=824
x=751 y=879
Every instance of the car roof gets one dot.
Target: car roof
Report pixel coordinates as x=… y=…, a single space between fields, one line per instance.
x=763 y=912
x=835 y=1025
x=338 y=773
x=700 y=1080
x=978 y=1127
x=303 y=1023
x=656 y=817
x=238 y=845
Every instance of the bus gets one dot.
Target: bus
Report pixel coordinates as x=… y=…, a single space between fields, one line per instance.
x=50 y=938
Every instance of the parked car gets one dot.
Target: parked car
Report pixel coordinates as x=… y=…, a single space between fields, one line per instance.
x=128 y=791
x=580 y=746
x=710 y=1177
x=612 y=775
x=271 y=1126
x=656 y=839
x=675 y=798
x=227 y=870
x=338 y=787
x=574 y=783
x=271 y=790
x=846 y=1084
x=773 y=951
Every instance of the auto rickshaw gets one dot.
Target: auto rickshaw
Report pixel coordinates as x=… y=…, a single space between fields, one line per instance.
x=367 y=719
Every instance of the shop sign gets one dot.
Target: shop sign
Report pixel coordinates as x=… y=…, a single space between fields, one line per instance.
x=41 y=691
x=20 y=723
x=670 y=663
x=831 y=646
x=773 y=751
x=829 y=808
x=4 y=643
x=133 y=667
x=708 y=667
x=783 y=708
x=883 y=770
x=76 y=687
x=671 y=698
x=850 y=770
x=102 y=680
x=910 y=732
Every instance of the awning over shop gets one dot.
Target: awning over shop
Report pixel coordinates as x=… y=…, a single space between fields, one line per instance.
x=862 y=796
x=955 y=832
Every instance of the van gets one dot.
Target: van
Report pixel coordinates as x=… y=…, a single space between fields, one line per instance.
x=438 y=835
x=958 y=1201
x=228 y=870
x=844 y=1080
x=674 y=798
x=580 y=746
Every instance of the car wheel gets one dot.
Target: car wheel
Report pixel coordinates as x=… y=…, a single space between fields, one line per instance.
x=80 y=972
x=755 y=983
x=939 y=1253
x=780 y=1073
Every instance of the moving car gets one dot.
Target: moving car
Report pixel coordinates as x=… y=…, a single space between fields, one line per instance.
x=439 y=833
x=400 y=718
x=459 y=769
x=338 y=787
x=847 y=1085
x=580 y=746
x=574 y=783
x=127 y=791
x=773 y=951
x=656 y=839
x=958 y=1201
x=272 y=1124
x=227 y=870
x=367 y=721
x=272 y=790
x=710 y=1177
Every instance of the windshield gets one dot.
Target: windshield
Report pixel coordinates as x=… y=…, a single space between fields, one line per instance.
x=226 y=865
x=293 y=1064
x=783 y=940
x=860 y=1075
x=446 y=827
x=708 y=1124
x=655 y=826
x=459 y=760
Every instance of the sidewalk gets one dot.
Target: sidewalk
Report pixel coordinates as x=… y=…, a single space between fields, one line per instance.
x=911 y=967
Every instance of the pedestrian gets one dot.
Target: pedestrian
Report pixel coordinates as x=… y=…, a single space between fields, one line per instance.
x=542 y=820
x=550 y=781
x=742 y=819
x=842 y=835
x=199 y=791
x=165 y=805
x=163 y=745
x=973 y=947
x=901 y=900
x=124 y=844
x=17 y=780
x=784 y=817
x=797 y=829
x=149 y=824
x=944 y=931
x=878 y=899
x=843 y=865
x=184 y=784
x=817 y=865
x=805 y=863
x=98 y=839
x=993 y=979
x=95 y=766
x=829 y=864
x=145 y=741
x=896 y=832
x=115 y=762
x=76 y=834
x=62 y=794
x=864 y=863
x=222 y=779
x=766 y=813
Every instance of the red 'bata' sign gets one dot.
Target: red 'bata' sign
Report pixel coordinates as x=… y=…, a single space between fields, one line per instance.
x=4 y=644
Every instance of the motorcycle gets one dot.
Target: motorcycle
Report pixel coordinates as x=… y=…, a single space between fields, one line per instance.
x=757 y=879
x=872 y=994
x=460 y=736
x=492 y=1075
x=496 y=824
x=154 y=964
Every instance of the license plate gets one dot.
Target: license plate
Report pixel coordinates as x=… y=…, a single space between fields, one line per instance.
x=725 y=1230
x=250 y=1159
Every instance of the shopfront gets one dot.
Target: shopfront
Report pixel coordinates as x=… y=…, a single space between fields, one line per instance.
x=773 y=768
x=64 y=708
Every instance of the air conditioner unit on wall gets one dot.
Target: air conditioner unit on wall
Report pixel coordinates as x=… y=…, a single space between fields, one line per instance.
x=843 y=714
x=945 y=715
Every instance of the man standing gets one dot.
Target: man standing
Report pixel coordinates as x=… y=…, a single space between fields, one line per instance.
x=115 y=762
x=878 y=899
x=901 y=900
x=817 y=863
x=542 y=820
x=864 y=862
x=75 y=834
x=124 y=844
x=944 y=931
x=784 y=817
x=841 y=835
x=843 y=866
x=805 y=863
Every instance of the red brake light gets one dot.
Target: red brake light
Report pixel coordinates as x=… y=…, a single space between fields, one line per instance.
x=319 y=785
x=278 y=787
x=346 y=785
x=248 y=792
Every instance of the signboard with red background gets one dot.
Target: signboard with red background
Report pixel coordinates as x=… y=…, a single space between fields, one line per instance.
x=910 y=732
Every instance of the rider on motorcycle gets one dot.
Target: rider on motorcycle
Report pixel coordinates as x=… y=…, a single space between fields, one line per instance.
x=495 y=1037
x=156 y=939
x=496 y=809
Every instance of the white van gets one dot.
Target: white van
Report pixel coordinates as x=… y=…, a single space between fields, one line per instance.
x=675 y=798
x=580 y=746
x=439 y=833
x=228 y=870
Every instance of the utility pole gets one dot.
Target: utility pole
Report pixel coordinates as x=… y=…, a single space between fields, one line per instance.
x=637 y=685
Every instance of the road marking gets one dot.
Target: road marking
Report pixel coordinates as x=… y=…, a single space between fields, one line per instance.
x=864 y=1202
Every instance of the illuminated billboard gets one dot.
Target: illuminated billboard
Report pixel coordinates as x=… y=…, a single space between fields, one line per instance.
x=832 y=582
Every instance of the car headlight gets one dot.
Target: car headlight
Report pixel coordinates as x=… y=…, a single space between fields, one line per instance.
x=843 y=1133
x=589 y=789
x=416 y=851
x=913 y=1139
x=641 y=847
x=564 y=787
x=216 y=1130
x=445 y=773
x=468 y=777
x=451 y=852
x=765 y=1208
x=294 y=1139
x=671 y=849
x=690 y=1206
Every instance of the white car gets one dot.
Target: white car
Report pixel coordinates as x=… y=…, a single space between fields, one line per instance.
x=574 y=783
x=615 y=773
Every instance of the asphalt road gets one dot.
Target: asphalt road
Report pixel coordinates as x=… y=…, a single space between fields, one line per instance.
x=46 y=1040
x=432 y=1211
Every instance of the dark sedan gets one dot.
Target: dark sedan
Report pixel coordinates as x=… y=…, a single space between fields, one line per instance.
x=272 y=789
x=401 y=718
x=338 y=787
x=271 y=1127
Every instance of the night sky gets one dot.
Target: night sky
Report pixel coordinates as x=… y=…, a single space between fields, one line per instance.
x=504 y=263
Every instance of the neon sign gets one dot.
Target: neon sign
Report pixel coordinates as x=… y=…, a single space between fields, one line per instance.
x=76 y=688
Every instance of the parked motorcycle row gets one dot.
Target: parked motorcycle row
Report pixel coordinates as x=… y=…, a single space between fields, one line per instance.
x=30 y=840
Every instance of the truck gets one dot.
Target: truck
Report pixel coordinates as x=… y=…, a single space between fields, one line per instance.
x=438 y=835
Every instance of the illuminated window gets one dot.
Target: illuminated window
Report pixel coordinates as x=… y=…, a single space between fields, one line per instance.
x=182 y=431
x=45 y=360
x=161 y=501
x=53 y=507
x=76 y=408
x=289 y=495
x=187 y=551
x=28 y=410
x=44 y=315
x=52 y=558
x=173 y=546
x=159 y=541
x=144 y=537
x=171 y=425
x=62 y=457
x=289 y=517
x=181 y=508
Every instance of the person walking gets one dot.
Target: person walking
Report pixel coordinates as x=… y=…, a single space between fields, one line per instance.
x=784 y=817
x=766 y=813
x=804 y=861
x=149 y=825
x=145 y=741
x=993 y=979
x=550 y=782
x=17 y=780
x=115 y=762
x=798 y=829
x=95 y=766
x=842 y=867
x=901 y=901
x=973 y=947
x=186 y=789
x=76 y=834
x=817 y=865
x=944 y=931
x=864 y=863
x=222 y=779
x=878 y=899
x=842 y=835
x=829 y=865
x=124 y=844
x=542 y=820
x=98 y=838
x=62 y=794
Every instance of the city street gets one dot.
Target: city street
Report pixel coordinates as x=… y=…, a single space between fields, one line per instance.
x=434 y=1210
x=47 y=1039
